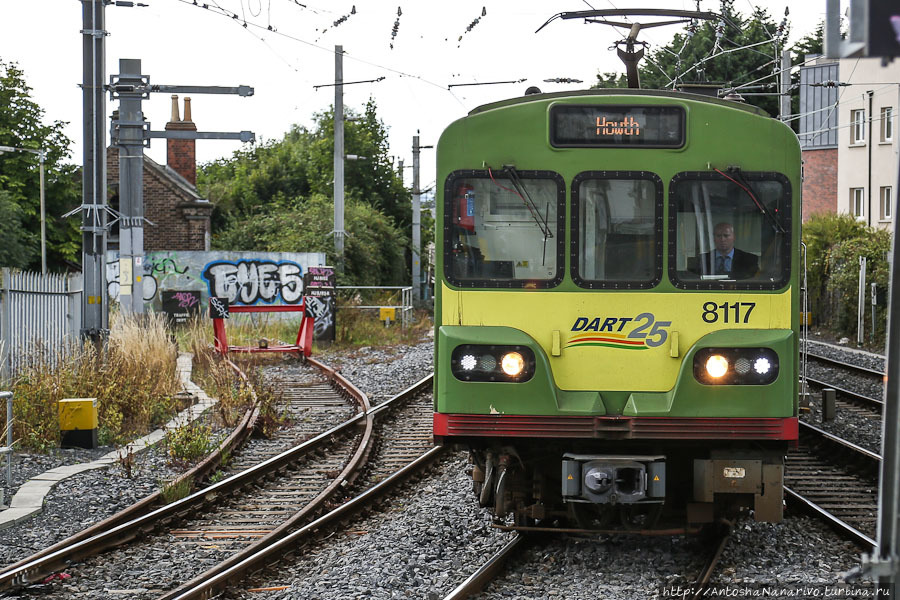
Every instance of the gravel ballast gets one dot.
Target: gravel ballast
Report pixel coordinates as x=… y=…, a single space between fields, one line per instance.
x=433 y=534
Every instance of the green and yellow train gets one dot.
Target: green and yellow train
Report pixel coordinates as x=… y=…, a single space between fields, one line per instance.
x=617 y=306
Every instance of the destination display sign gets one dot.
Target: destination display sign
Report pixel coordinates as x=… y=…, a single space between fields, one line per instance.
x=613 y=126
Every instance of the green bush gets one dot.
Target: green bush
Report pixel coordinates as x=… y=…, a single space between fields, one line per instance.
x=835 y=244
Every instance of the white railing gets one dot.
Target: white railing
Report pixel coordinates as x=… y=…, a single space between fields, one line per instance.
x=40 y=318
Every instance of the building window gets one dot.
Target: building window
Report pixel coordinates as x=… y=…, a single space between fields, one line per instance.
x=858 y=126
x=887 y=123
x=886 y=201
x=857 y=202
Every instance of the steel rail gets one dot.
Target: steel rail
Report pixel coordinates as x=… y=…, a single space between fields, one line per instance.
x=295 y=521
x=845 y=365
x=853 y=533
x=33 y=569
x=276 y=551
x=700 y=584
x=834 y=440
x=868 y=401
x=873 y=461
x=486 y=572
x=198 y=472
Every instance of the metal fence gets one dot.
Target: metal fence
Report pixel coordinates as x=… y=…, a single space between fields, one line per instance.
x=40 y=318
x=398 y=297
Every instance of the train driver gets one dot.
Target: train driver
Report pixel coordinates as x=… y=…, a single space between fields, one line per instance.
x=726 y=259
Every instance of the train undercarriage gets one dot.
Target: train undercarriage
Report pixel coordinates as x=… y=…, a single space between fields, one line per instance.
x=649 y=488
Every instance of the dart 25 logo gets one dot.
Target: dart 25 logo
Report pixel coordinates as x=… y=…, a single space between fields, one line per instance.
x=628 y=333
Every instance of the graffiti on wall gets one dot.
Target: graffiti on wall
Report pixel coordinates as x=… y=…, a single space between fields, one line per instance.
x=158 y=270
x=252 y=281
x=322 y=310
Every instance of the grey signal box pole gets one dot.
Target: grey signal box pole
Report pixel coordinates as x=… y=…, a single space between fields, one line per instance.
x=131 y=133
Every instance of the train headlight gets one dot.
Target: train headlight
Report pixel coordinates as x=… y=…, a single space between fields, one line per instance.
x=736 y=366
x=471 y=362
x=513 y=364
x=716 y=366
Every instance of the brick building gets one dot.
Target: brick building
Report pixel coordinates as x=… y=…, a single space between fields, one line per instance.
x=181 y=217
x=818 y=135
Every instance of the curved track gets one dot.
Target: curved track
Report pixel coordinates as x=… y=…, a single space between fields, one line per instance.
x=228 y=525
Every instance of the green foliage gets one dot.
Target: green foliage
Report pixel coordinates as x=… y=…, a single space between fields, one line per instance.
x=373 y=251
x=677 y=59
x=278 y=197
x=19 y=248
x=21 y=126
x=189 y=442
x=835 y=244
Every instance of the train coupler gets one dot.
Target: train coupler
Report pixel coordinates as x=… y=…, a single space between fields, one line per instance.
x=613 y=479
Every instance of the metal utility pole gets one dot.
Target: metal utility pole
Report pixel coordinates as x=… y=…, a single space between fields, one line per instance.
x=94 y=313
x=416 y=223
x=884 y=560
x=131 y=133
x=339 y=155
x=128 y=135
x=785 y=86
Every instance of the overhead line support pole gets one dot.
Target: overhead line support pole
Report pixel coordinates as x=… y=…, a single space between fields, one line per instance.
x=339 y=155
x=94 y=308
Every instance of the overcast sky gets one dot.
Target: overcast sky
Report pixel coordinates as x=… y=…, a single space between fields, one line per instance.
x=436 y=45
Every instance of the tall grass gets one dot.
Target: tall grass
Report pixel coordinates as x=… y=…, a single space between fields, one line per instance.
x=133 y=377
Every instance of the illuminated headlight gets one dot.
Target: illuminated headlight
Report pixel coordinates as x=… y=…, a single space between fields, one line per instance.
x=467 y=362
x=513 y=364
x=736 y=366
x=470 y=362
x=716 y=366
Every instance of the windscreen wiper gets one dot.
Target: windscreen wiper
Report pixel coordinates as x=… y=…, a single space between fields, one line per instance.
x=742 y=183
x=541 y=221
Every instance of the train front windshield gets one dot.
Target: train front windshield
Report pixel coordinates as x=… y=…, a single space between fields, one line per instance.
x=503 y=230
x=729 y=229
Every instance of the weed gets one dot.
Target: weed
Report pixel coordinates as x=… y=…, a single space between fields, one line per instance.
x=127 y=462
x=189 y=442
x=173 y=491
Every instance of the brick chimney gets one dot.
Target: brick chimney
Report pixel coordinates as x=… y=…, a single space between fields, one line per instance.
x=180 y=154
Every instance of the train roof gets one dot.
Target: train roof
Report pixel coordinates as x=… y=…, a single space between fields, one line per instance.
x=620 y=92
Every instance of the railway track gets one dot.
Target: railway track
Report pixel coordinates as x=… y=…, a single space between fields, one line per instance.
x=835 y=480
x=288 y=482
x=405 y=448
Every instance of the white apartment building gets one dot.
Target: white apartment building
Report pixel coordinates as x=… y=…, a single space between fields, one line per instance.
x=868 y=139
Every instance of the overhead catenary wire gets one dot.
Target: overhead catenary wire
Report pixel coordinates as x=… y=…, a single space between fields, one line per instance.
x=231 y=15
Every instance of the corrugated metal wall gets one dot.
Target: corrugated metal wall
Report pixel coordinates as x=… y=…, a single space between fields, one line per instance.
x=818 y=107
x=40 y=319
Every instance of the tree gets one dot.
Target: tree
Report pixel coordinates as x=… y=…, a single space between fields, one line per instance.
x=373 y=252
x=273 y=198
x=22 y=126
x=707 y=53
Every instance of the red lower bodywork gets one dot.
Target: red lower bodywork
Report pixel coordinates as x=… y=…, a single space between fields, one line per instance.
x=615 y=428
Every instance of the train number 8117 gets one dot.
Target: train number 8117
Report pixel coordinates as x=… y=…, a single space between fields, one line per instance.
x=735 y=312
